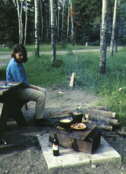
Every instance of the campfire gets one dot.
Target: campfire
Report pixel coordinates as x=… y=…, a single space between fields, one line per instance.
x=77 y=133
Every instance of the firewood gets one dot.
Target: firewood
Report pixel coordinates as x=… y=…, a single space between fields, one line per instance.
x=100 y=113
x=106 y=120
x=105 y=127
x=89 y=115
x=94 y=112
x=122 y=131
x=103 y=108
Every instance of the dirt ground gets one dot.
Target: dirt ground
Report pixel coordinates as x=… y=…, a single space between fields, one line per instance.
x=26 y=156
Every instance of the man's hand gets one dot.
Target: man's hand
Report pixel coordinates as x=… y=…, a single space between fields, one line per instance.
x=36 y=87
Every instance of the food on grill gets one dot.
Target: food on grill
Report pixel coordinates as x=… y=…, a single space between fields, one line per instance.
x=65 y=121
x=78 y=126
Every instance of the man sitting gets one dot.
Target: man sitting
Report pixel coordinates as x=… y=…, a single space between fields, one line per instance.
x=14 y=99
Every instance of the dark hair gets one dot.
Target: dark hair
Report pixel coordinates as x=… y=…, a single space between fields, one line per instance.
x=20 y=48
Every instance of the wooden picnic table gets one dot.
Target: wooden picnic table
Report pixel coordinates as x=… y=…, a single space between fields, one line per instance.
x=6 y=86
x=10 y=107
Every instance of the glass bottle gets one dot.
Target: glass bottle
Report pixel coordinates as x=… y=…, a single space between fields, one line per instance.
x=55 y=146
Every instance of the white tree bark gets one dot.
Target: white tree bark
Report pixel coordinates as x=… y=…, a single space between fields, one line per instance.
x=26 y=21
x=36 y=3
x=72 y=22
x=53 y=41
x=103 y=46
x=58 y=23
x=19 y=6
x=112 y=43
x=68 y=21
x=14 y=2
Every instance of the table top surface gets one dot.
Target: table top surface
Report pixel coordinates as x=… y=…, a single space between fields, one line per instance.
x=7 y=85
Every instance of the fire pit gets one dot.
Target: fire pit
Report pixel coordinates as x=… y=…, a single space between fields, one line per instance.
x=86 y=140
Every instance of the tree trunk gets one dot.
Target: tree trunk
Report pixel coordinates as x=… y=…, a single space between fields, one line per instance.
x=26 y=21
x=53 y=40
x=68 y=21
x=20 y=24
x=112 y=43
x=63 y=11
x=58 y=21
x=103 y=45
x=72 y=22
x=41 y=20
x=58 y=24
x=36 y=3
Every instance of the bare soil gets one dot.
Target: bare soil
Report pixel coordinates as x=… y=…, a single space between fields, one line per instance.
x=26 y=156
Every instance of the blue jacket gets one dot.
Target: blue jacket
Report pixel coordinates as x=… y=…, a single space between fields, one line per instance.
x=15 y=72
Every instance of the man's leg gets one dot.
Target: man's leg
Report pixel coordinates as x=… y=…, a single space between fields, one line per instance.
x=39 y=96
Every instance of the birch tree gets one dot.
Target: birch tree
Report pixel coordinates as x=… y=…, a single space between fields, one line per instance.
x=72 y=21
x=63 y=14
x=103 y=46
x=68 y=20
x=19 y=6
x=36 y=3
x=58 y=19
x=22 y=7
x=53 y=39
x=26 y=21
x=112 y=43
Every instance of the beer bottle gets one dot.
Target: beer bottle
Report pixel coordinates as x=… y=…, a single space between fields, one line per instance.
x=55 y=146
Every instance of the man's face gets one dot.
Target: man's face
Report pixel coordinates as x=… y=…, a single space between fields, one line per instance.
x=19 y=57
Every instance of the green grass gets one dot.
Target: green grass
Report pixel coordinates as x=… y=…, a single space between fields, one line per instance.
x=47 y=47
x=5 y=49
x=87 y=76
x=40 y=72
x=60 y=46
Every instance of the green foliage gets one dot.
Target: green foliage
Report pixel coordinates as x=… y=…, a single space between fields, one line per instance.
x=9 y=23
x=87 y=20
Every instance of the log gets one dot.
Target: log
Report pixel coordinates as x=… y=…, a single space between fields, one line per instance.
x=72 y=79
x=104 y=108
x=100 y=113
x=122 y=131
x=96 y=113
x=106 y=120
x=101 y=125
x=105 y=127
